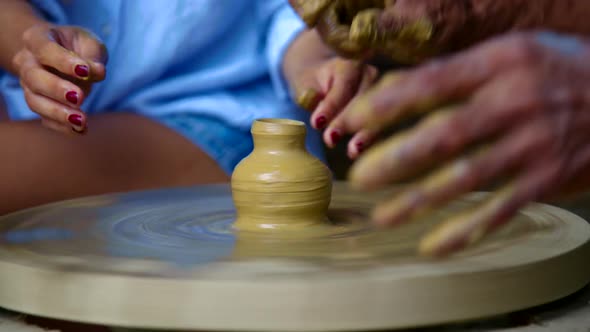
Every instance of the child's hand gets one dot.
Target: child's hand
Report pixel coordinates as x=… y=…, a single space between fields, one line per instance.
x=57 y=67
x=327 y=88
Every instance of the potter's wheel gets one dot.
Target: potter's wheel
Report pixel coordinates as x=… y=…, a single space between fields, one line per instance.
x=169 y=259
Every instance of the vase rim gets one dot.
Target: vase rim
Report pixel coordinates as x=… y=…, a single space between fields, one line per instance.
x=270 y=126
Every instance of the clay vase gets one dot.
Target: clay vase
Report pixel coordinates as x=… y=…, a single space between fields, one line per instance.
x=280 y=185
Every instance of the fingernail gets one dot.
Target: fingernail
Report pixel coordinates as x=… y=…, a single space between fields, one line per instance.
x=335 y=136
x=75 y=119
x=360 y=146
x=82 y=71
x=72 y=97
x=320 y=122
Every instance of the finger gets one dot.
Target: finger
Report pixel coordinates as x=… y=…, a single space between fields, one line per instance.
x=42 y=82
x=55 y=111
x=308 y=99
x=91 y=48
x=441 y=82
x=360 y=142
x=472 y=226
x=333 y=133
x=363 y=139
x=346 y=78
x=377 y=27
x=465 y=174
x=51 y=54
x=310 y=89
x=411 y=151
x=56 y=126
x=310 y=10
x=446 y=132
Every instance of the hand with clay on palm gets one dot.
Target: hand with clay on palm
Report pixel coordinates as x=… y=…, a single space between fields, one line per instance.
x=516 y=108
x=411 y=31
x=57 y=67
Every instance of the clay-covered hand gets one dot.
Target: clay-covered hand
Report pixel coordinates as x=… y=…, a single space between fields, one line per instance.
x=332 y=19
x=514 y=111
x=411 y=31
x=415 y=30
x=57 y=67
x=327 y=87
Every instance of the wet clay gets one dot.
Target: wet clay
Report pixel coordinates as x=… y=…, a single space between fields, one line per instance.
x=171 y=260
x=280 y=185
x=411 y=31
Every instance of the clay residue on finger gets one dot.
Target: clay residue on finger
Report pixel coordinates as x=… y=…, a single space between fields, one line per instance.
x=309 y=99
x=369 y=29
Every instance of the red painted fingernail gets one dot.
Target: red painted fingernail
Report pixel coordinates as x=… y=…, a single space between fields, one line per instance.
x=82 y=71
x=72 y=97
x=360 y=146
x=335 y=136
x=321 y=122
x=75 y=119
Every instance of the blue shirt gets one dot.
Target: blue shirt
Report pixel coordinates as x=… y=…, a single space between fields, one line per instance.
x=219 y=58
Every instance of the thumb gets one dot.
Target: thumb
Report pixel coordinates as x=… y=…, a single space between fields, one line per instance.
x=308 y=94
x=90 y=47
x=311 y=87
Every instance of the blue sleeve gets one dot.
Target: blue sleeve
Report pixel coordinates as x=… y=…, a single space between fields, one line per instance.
x=51 y=10
x=283 y=27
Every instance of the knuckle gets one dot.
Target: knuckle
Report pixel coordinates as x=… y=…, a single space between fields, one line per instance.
x=531 y=96
x=330 y=106
x=44 y=52
x=54 y=112
x=28 y=96
x=17 y=59
x=523 y=51
x=28 y=34
x=27 y=76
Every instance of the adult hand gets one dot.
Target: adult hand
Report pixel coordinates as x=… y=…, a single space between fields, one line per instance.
x=412 y=31
x=516 y=108
x=57 y=67
x=332 y=19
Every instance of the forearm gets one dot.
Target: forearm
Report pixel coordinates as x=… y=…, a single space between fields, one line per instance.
x=16 y=16
x=307 y=49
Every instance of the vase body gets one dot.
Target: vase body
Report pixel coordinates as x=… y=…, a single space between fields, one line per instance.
x=280 y=185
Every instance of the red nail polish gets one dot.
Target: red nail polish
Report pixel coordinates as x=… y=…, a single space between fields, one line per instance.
x=75 y=119
x=335 y=136
x=72 y=97
x=360 y=146
x=321 y=122
x=82 y=71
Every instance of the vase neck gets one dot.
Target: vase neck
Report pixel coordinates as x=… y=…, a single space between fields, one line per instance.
x=279 y=135
x=279 y=143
